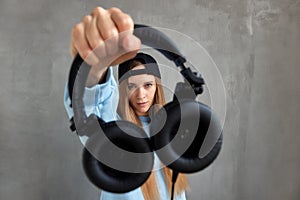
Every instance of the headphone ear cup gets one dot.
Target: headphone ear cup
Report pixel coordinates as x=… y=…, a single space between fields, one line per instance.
x=118 y=158
x=191 y=137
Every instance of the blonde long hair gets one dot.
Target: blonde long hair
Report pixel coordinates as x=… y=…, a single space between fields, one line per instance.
x=126 y=111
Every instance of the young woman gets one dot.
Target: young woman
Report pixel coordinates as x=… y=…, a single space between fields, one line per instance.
x=139 y=89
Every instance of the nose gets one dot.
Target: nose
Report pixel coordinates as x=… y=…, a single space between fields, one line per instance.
x=140 y=93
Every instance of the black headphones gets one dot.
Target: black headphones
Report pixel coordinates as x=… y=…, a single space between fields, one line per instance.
x=118 y=156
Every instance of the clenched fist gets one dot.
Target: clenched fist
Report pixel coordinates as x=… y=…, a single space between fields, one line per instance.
x=104 y=38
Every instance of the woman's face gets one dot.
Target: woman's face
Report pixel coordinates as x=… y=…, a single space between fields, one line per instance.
x=141 y=89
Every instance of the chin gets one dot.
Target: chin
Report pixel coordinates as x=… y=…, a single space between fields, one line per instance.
x=143 y=112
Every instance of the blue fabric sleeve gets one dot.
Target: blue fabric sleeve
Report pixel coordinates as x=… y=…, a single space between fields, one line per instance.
x=101 y=99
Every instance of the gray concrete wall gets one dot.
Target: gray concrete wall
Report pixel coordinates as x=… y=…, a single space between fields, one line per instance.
x=255 y=44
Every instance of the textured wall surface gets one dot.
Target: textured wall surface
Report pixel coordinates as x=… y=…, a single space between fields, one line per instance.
x=255 y=44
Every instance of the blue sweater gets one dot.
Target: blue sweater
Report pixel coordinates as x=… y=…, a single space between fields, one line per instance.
x=102 y=100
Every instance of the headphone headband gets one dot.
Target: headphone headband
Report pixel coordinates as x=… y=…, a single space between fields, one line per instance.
x=159 y=41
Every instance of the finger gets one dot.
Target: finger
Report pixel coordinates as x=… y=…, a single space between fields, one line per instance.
x=132 y=44
x=105 y=24
x=94 y=38
x=125 y=27
x=92 y=34
x=82 y=45
x=122 y=20
x=73 y=50
x=107 y=30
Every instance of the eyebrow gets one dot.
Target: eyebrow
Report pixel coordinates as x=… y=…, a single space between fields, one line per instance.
x=143 y=83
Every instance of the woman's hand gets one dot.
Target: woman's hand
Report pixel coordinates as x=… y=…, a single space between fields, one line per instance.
x=104 y=38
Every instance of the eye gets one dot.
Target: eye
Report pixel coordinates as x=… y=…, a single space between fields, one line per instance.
x=131 y=86
x=147 y=85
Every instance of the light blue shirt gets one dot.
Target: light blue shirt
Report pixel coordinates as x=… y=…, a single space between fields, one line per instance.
x=102 y=100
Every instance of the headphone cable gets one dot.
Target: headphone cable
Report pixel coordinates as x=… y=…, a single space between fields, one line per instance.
x=174 y=178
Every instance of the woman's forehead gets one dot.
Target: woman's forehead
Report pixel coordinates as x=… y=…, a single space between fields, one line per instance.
x=139 y=67
x=141 y=78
